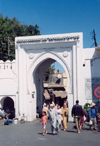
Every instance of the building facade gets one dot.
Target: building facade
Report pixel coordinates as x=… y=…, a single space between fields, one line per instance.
x=23 y=81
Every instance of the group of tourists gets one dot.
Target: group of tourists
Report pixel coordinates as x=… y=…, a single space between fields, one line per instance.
x=58 y=116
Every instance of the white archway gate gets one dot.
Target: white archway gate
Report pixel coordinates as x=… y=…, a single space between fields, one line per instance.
x=33 y=55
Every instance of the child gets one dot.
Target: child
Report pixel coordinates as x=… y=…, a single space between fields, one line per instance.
x=44 y=122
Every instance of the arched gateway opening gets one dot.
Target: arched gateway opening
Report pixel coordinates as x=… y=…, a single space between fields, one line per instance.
x=53 y=86
x=39 y=68
x=39 y=77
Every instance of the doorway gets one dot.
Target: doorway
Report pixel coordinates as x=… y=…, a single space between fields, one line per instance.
x=38 y=76
x=8 y=106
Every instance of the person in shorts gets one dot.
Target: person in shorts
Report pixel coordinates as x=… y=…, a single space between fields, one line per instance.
x=44 y=122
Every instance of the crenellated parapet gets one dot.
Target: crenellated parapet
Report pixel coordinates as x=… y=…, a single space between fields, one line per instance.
x=7 y=65
x=7 y=69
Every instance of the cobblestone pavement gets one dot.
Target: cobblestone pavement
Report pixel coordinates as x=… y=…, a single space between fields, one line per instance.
x=29 y=134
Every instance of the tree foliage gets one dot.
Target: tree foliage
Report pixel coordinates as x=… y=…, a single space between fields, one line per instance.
x=12 y=28
x=49 y=71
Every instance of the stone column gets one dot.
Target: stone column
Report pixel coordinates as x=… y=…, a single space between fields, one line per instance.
x=74 y=75
x=21 y=73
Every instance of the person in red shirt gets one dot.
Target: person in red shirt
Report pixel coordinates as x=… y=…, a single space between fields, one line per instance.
x=44 y=122
x=82 y=118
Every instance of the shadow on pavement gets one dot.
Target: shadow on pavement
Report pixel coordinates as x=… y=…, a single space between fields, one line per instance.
x=48 y=134
x=86 y=129
x=71 y=131
x=52 y=134
x=40 y=133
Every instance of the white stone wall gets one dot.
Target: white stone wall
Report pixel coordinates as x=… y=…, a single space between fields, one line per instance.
x=33 y=55
x=22 y=80
x=91 y=74
x=7 y=81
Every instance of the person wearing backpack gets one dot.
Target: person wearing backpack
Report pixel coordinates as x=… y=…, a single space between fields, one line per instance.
x=92 y=116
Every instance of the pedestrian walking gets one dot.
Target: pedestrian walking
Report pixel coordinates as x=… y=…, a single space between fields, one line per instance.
x=59 y=118
x=82 y=118
x=66 y=101
x=92 y=116
x=77 y=112
x=65 y=112
x=45 y=109
x=44 y=122
x=53 y=118
x=56 y=106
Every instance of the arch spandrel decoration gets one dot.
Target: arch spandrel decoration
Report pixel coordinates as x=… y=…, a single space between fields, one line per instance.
x=56 y=57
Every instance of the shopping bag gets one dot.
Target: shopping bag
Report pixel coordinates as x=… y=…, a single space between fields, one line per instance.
x=90 y=122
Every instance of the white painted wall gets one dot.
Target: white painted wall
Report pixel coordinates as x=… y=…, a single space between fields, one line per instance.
x=32 y=53
x=91 y=70
x=7 y=81
x=22 y=80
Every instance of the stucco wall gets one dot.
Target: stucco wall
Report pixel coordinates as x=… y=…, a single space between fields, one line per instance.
x=7 y=81
x=91 y=73
x=21 y=78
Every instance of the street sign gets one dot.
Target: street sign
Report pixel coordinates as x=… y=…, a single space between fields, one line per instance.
x=97 y=92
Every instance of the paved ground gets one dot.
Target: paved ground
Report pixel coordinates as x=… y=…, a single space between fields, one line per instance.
x=29 y=134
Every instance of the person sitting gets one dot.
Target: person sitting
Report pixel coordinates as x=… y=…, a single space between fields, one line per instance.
x=2 y=113
x=8 y=113
x=7 y=110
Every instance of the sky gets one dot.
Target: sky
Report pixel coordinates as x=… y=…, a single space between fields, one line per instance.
x=57 y=16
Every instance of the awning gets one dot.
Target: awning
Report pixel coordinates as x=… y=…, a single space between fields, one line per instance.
x=50 y=90
x=60 y=93
x=46 y=95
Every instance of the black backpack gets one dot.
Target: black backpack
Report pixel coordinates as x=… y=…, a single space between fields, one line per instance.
x=6 y=122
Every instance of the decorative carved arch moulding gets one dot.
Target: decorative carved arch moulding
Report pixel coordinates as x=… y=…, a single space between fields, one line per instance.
x=57 y=55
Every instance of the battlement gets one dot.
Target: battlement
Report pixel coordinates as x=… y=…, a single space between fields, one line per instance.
x=7 y=69
x=7 y=65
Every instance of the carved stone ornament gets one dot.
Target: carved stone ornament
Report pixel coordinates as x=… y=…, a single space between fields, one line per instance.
x=31 y=55
x=51 y=38
x=65 y=54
